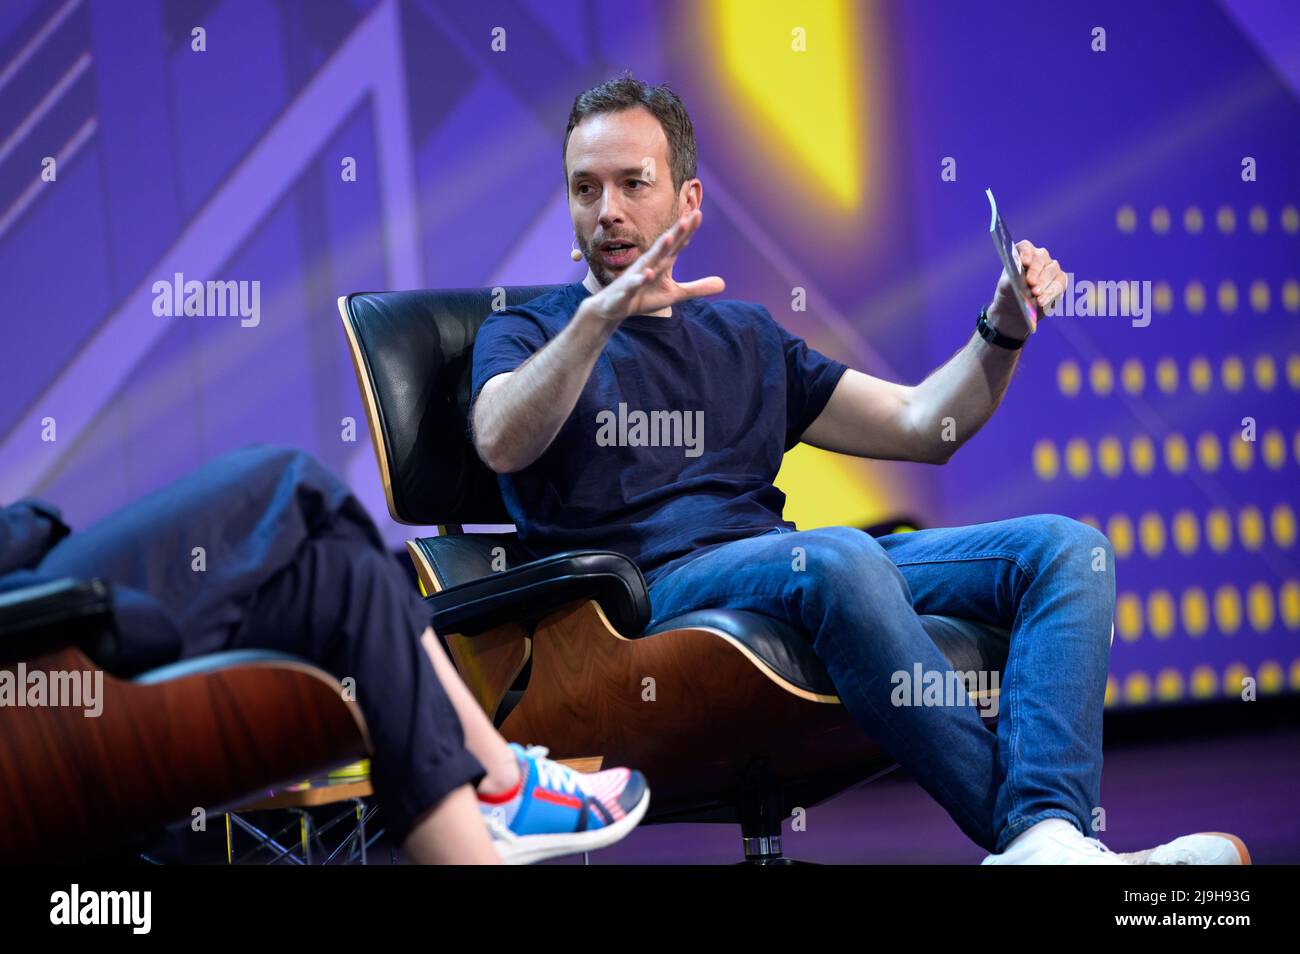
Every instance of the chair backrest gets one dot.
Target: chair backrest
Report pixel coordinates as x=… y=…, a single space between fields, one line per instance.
x=412 y=351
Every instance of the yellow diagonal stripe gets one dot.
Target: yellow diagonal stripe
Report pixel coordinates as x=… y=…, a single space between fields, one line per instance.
x=808 y=103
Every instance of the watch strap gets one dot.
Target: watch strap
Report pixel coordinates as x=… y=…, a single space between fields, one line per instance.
x=995 y=337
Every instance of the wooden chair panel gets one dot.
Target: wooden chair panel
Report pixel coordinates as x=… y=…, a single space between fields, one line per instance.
x=713 y=710
x=71 y=785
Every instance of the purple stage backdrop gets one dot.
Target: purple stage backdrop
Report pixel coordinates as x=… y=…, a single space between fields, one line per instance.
x=319 y=147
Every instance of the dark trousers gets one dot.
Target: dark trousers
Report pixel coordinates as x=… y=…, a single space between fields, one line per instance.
x=291 y=563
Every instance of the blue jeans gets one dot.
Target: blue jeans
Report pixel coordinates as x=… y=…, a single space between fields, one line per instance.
x=1048 y=579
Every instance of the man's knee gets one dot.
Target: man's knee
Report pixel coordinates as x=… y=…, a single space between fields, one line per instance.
x=1076 y=557
x=1055 y=535
x=846 y=562
x=356 y=588
x=362 y=569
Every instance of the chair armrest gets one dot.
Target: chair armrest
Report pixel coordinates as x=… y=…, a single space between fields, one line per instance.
x=53 y=603
x=526 y=593
x=50 y=615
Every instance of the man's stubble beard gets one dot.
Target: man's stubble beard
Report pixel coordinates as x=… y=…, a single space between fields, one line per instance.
x=603 y=275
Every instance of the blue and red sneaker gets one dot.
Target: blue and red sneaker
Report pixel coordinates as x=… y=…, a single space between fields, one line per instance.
x=556 y=810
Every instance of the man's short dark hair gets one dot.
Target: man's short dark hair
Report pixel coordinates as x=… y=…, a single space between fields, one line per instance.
x=624 y=92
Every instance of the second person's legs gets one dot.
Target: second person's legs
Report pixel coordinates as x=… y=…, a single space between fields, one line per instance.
x=346 y=606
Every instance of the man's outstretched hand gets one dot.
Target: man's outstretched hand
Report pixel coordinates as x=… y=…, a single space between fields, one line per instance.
x=647 y=285
x=1046 y=284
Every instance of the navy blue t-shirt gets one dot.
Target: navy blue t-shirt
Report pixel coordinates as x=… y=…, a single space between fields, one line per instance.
x=677 y=436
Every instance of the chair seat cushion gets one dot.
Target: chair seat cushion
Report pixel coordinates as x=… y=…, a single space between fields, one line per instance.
x=788 y=653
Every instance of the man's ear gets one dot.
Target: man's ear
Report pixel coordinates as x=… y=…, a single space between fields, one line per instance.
x=692 y=194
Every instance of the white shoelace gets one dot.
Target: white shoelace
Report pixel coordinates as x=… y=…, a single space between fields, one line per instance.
x=553 y=774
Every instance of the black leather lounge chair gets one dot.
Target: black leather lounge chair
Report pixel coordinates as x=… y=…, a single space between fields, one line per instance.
x=745 y=724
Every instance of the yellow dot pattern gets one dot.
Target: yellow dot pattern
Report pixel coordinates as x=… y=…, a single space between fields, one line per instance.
x=1233 y=373
x=1265 y=369
x=1282 y=526
x=1233 y=678
x=1241 y=452
x=1152 y=537
x=1068 y=378
x=1132 y=376
x=1208 y=452
x=1163 y=297
x=1250 y=528
x=1218 y=530
x=1137 y=688
x=1271 y=679
x=1046 y=461
x=1291 y=295
x=1266 y=372
x=1274 y=449
x=1259 y=296
x=1078 y=458
x=1200 y=375
x=1175 y=452
x=1288 y=602
x=1119 y=531
x=1110 y=456
x=1195 y=610
x=1167 y=375
x=1187 y=532
x=1259 y=607
x=1258 y=219
x=1101 y=378
x=1128 y=617
x=1204 y=682
x=1227 y=296
x=1142 y=454
x=1151 y=534
x=1193 y=219
x=1169 y=685
x=1160 y=613
x=1227 y=609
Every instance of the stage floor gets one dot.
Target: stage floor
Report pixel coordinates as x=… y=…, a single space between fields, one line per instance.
x=1245 y=783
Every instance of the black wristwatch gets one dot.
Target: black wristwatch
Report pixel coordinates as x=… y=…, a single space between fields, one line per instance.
x=993 y=336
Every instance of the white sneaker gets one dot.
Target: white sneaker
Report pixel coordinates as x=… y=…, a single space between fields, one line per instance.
x=1054 y=841
x=1203 y=848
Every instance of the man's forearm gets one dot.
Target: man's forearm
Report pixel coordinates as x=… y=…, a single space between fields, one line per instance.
x=948 y=407
x=514 y=423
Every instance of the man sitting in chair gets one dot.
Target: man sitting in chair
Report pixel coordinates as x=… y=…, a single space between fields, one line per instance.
x=567 y=387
